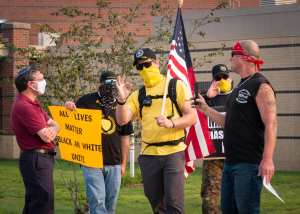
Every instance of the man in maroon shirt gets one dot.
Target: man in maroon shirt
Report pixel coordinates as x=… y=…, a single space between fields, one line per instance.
x=35 y=133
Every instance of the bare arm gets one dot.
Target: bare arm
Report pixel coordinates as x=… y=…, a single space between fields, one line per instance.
x=124 y=150
x=48 y=134
x=188 y=118
x=123 y=114
x=54 y=125
x=216 y=116
x=266 y=104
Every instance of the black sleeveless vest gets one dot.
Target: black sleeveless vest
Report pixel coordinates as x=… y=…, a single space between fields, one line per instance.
x=244 y=128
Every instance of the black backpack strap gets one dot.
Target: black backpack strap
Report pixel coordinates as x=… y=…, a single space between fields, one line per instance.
x=141 y=97
x=172 y=94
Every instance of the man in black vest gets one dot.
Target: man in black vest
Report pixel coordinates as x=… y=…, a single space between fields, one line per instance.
x=250 y=126
x=216 y=96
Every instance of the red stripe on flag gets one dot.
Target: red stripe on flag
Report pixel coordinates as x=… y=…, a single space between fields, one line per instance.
x=172 y=73
x=205 y=129
x=194 y=143
x=191 y=78
x=178 y=66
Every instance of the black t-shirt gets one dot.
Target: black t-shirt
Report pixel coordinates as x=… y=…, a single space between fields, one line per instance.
x=216 y=131
x=244 y=128
x=111 y=131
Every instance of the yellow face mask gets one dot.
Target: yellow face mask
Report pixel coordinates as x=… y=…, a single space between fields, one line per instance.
x=151 y=76
x=224 y=85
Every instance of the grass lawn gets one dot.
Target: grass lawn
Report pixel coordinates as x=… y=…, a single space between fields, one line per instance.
x=132 y=199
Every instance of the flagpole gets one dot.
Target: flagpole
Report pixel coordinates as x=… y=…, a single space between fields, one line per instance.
x=168 y=78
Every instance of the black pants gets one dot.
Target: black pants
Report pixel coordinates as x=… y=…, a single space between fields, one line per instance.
x=37 y=173
x=163 y=179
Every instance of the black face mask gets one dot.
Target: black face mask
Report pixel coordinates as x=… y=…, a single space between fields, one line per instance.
x=107 y=94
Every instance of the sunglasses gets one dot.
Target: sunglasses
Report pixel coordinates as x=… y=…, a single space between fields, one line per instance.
x=110 y=82
x=238 y=54
x=218 y=78
x=140 y=66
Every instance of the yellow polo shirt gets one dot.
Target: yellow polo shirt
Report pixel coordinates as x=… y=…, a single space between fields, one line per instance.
x=151 y=132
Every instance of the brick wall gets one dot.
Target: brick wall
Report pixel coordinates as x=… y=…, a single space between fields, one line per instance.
x=38 y=13
x=18 y=35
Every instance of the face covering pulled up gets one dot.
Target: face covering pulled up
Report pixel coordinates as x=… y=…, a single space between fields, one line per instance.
x=151 y=76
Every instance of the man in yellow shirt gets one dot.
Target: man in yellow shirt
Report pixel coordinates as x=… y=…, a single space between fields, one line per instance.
x=162 y=155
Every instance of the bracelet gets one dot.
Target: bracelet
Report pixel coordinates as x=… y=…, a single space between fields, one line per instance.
x=173 y=124
x=120 y=103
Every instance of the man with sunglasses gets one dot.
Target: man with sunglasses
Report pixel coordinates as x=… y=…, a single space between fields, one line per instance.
x=250 y=127
x=162 y=156
x=103 y=185
x=35 y=132
x=218 y=92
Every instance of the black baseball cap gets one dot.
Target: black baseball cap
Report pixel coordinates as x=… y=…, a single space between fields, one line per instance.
x=220 y=69
x=107 y=75
x=143 y=53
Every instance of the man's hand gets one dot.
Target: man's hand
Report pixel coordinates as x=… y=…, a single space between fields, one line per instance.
x=47 y=134
x=213 y=90
x=51 y=133
x=123 y=169
x=266 y=169
x=70 y=105
x=162 y=121
x=124 y=88
x=199 y=103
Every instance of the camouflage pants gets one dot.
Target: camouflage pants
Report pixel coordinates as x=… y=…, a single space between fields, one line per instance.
x=211 y=186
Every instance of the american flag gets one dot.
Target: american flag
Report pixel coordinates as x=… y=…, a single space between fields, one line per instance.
x=180 y=66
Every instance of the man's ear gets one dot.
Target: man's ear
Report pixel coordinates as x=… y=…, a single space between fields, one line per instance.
x=30 y=83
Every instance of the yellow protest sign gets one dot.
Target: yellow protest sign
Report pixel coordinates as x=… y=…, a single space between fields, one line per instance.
x=79 y=139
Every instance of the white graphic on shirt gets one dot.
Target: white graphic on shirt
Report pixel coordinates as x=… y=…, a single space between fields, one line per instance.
x=243 y=95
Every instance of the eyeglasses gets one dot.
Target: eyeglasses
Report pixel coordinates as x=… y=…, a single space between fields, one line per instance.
x=218 y=78
x=140 y=66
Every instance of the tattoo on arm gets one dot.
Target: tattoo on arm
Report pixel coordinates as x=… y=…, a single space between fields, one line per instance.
x=266 y=103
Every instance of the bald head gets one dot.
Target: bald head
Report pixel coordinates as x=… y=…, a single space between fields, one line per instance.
x=245 y=58
x=250 y=47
